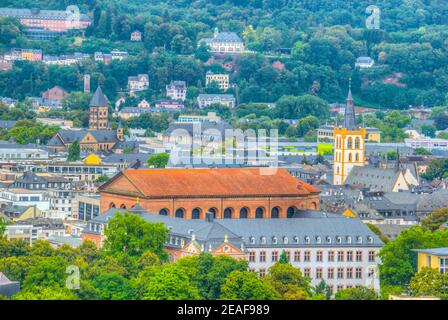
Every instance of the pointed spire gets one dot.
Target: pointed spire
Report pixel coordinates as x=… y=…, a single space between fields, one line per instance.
x=99 y=99
x=226 y=238
x=349 y=118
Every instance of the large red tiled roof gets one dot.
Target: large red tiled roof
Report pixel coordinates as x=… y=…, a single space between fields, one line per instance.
x=215 y=182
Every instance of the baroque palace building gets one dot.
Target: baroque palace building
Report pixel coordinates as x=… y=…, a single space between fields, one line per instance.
x=349 y=144
x=225 y=193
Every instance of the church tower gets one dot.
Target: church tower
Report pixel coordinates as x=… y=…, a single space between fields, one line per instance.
x=99 y=111
x=349 y=144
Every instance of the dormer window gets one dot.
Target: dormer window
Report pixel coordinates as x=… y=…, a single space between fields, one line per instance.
x=307 y=240
x=263 y=240
x=328 y=239
x=370 y=239
x=318 y=240
x=338 y=240
x=349 y=239
x=296 y=239
x=285 y=240
x=252 y=240
x=359 y=239
x=274 y=240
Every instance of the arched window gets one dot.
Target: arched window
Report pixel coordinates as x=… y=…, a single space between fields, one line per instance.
x=318 y=240
x=228 y=213
x=180 y=213
x=357 y=157
x=244 y=213
x=291 y=211
x=112 y=205
x=337 y=170
x=275 y=213
x=349 y=143
x=357 y=143
x=274 y=240
x=285 y=240
x=307 y=240
x=123 y=206
x=196 y=213
x=252 y=240
x=213 y=212
x=259 y=213
x=163 y=212
x=349 y=239
x=263 y=240
x=350 y=157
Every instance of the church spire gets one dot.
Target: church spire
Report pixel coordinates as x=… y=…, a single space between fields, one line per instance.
x=349 y=118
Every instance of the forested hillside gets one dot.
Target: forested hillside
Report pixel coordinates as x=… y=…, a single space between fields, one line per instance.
x=326 y=37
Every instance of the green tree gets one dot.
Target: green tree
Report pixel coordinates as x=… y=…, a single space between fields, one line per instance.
x=437 y=169
x=74 y=151
x=3 y=224
x=429 y=282
x=288 y=281
x=128 y=235
x=422 y=151
x=45 y=293
x=245 y=285
x=359 y=293
x=169 y=282
x=398 y=260
x=378 y=232
x=113 y=286
x=159 y=160
x=435 y=220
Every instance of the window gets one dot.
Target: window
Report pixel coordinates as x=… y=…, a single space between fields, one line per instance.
x=319 y=256
x=274 y=256
x=443 y=265
x=288 y=255
x=244 y=213
x=262 y=272
x=297 y=256
x=262 y=256
x=371 y=256
x=319 y=273
x=307 y=256
x=340 y=256
x=328 y=239
x=349 y=143
x=180 y=213
x=228 y=213
x=359 y=239
x=358 y=256
x=163 y=212
x=358 y=273
x=285 y=240
x=251 y=256
x=330 y=273
x=263 y=240
x=349 y=256
x=275 y=213
x=348 y=239
x=340 y=287
x=274 y=240
x=252 y=240
x=196 y=214
x=349 y=273
x=338 y=240
x=318 y=240
x=307 y=240
x=307 y=272
x=259 y=213
x=330 y=256
x=340 y=273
